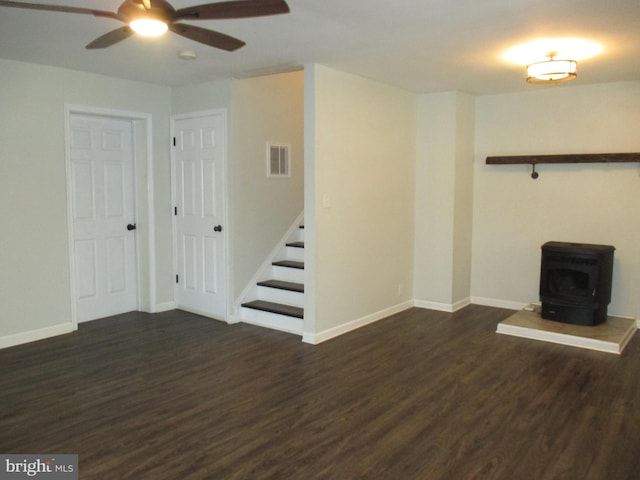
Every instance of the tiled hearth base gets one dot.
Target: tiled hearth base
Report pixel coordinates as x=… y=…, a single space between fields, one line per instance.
x=611 y=336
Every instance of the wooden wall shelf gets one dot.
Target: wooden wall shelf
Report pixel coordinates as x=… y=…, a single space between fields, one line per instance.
x=534 y=160
x=574 y=158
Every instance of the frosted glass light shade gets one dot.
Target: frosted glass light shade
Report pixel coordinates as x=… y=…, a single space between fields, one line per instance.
x=148 y=27
x=552 y=71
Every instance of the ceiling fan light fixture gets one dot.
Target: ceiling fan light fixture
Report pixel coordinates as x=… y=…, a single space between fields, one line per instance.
x=148 y=27
x=154 y=17
x=552 y=71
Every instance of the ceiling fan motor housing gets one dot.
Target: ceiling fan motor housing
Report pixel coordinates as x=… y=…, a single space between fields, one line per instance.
x=132 y=10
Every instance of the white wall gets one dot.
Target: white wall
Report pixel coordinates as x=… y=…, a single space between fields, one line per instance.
x=443 y=203
x=363 y=167
x=463 y=203
x=34 y=264
x=589 y=203
x=206 y=96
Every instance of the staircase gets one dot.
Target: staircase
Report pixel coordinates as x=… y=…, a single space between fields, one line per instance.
x=277 y=299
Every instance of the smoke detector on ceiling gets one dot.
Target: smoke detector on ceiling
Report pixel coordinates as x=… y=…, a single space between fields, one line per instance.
x=187 y=55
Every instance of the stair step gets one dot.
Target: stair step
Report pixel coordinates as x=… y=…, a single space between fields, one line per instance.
x=289 y=263
x=296 y=244
x=261 y=318
x=278 y=308
x=282 y=285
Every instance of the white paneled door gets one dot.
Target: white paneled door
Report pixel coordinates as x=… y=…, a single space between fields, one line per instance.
x=199 y=157
x=102 y=190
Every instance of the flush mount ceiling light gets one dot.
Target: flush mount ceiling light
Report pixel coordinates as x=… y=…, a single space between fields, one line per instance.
x=552 y=70
x=544 y=67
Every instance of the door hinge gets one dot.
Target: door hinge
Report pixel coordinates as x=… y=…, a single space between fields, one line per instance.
x=174 y=141
x=175 y=211
x=177 y=279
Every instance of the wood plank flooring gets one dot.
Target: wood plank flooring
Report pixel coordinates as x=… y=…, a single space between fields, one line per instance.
x=420 y=395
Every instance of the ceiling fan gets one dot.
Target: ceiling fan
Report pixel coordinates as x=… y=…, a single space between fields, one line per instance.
x=157 y=16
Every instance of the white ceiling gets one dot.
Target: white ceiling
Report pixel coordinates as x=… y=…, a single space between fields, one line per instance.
x=420 y=45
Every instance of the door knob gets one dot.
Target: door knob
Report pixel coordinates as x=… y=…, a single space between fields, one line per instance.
x=217 y=228
x=131 y=226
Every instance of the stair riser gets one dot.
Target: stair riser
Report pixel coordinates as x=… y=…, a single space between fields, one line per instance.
x=294 y=253
x=287 y=274
x=272 y=320
x=278 y=295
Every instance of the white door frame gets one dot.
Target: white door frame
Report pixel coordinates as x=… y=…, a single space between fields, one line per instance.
x=143 y=191
x=225 y=201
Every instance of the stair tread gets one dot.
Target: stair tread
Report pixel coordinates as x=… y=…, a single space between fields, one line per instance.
x=296 y=244
x=275 y=308
x=289 y=263
x=282 y=285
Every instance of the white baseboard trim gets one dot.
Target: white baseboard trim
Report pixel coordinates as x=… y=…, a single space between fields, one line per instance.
x=442 y=307
x=460 y=304
x=316 y=338
x=165 y=307
x=494 y=302
x=34 y=335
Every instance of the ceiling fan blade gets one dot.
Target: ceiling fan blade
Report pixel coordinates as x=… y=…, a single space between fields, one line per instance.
x=233 y=9
x=208 y=37
x=111 y=38
x=60 y=8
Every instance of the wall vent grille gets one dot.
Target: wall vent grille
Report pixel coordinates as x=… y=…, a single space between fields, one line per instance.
x=278 y=160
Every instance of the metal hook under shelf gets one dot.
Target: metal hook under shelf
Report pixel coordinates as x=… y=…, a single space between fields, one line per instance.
x=534 y=174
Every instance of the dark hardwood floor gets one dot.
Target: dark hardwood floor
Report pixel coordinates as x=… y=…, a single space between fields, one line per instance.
x=420 y=395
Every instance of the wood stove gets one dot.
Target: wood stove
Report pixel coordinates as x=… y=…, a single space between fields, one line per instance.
x=575 y=282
